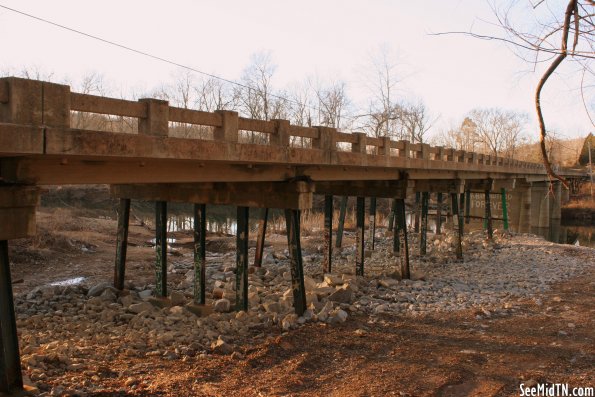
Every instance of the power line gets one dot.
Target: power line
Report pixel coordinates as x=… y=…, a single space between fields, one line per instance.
x=156 y=57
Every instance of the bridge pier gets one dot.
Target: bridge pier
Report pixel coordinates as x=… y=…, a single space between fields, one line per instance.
x=260 y=238
x=360 y=235
x=341 y=225
x=200 y=253
x=17 y=217
x=122 y=243
x=520 y=207
x=555 y=211
x=438 y=213
x=425 y=198
x=372 y=222
x=540 y=208
x=242 y=258
x=161 y=248
x=328 y=234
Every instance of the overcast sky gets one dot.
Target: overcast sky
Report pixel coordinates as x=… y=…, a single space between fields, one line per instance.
x=332 y=39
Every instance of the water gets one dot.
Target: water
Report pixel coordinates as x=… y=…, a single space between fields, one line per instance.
x=67 y=282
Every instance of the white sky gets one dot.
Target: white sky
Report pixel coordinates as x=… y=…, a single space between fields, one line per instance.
x=329 y=38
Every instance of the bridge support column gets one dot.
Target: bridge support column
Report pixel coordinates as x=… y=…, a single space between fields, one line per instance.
x=341 y=225
x=488 y=214
x=17 y=217
x=372 y=222
x=417 y=208
x=161 y=248
x=10 y=360
x=520 y=207
x=360 y=236
x=458 y=223
x=391 y=215
x=200 y=255
x=400 y=241
x=467 y=206
x=504 y=208
x=540 y=211
x=260 y=238
x=425 y=198
x=242 y=258
x=555 y=212
x=439 y=213
x=292 y=218
x=122 y=243
x=328 y=234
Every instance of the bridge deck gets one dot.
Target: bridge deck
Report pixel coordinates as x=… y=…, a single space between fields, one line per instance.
x=38 y=145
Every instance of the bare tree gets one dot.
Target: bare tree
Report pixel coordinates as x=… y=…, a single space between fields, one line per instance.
x=499 y=130
x=332 y=103
x=546 y=41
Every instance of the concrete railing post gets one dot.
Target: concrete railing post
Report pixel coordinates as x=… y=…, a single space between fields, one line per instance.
x=281 y=135
x=360 y=145
x=157 y=121
x=229 y=126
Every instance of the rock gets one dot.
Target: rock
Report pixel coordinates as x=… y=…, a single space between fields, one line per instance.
x=289 y=321
x=177 y=298
x=333 y=280
x=108 y=295
x=140 y=307
x=146 y=294
x=176 y=311
x=221 y=347
x=309 y=283
x=237 y=356
x=341 y=295
x=130 y=382
x=380 y=308
x=273 y=307
x=418 y=276
x=126 y=300
x=98 y=289
x=388 y=282
x=324 y=312
x=221 y=305
x=360 y=332
x=337 y=316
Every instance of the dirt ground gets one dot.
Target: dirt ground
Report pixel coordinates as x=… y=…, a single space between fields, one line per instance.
x=454 y=354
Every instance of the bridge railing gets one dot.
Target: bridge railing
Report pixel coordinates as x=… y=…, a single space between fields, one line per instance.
x=56 y=104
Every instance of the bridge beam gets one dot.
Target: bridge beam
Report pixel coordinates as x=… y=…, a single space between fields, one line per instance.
x=287 y=195
x=381 y=189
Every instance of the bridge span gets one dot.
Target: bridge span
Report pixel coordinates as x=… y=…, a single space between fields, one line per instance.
x=152 y=151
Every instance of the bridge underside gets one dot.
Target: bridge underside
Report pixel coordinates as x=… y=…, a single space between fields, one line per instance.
x=38 y=147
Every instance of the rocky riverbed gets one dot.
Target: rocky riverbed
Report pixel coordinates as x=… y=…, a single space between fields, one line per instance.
x=78 y=329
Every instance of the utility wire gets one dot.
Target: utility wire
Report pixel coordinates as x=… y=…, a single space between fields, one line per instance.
x=156 y=57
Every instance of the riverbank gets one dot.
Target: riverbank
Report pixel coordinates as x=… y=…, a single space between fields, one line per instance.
x=80 y=337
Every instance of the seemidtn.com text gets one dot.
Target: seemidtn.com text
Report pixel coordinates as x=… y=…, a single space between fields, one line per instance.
x=555 y=389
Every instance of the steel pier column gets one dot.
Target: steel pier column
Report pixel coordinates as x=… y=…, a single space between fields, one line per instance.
x=401 y=230
x=10 y=361
x=360 y=236
x=504 y=208
x=341 y=225
x=121 y=243
x=416 y=216
x=372 y=221
x=438 y=213
x=262 y=231
x=458 y=219
x=425 y=198
x=200 y=255
x=488 y=215
x=391 y=215
x=328 y=234
x=242 y=258
x=161 y=248
x=292 y=219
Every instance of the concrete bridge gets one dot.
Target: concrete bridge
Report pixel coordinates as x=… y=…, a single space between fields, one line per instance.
x=237 y=161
